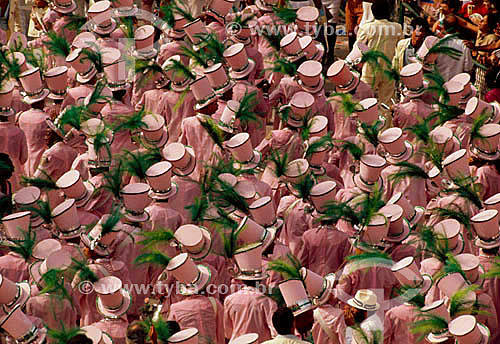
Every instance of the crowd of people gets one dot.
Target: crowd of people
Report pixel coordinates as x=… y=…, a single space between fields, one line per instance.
x=190 y=172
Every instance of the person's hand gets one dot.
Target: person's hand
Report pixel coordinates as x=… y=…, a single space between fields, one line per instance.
x=469 y=44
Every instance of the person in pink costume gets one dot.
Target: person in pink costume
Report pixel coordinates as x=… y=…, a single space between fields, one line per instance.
x=487 y=175
x=17 y=101
x=101 y=201
x=54 y=312
x=487 y=256
x=61 y=31
x=14 y=267
x=116 y=328
x=329 y=324
x=76 y=95
x=276 y=250
x=14 y=144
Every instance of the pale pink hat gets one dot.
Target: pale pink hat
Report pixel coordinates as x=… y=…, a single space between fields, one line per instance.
x=310 y=78
x=73 y=186
x=356 y=54
x=317 y=157
x=449 y=230
x=493 y=202
x=221 y=8
x=19 y=58
x=443 y=137
x=44 y=248
x=64 y=6
x=57 y=81
x=193 y=278
x=467 y=330
x=457 y=164
x=412 y=76
x=318 y=126
x=246 y=189
x=179 y=81
x=340 y=74
x=14 y=223
x=240 y=147
x=454 y=90
x=96 y=335
x=181 y=157
x=31 y=81
x=249 y=338
x=13 y=294
x=60 y=260
x=154 y=132
x=103 y=156
x=177 y=31
x=66 y=218
x=369 y=172
x=6 y=94
x=399 y=228
x=452 y=283
x=203 y=92
x=407 y=273
x=485 y=225
x=144 y=39
x=186 y=336
x=369 y=111
x=437 y=308
x=195 y=29
x=99 y=105
x=228 y=121
x=159 y=178
x=21 y=328
x=195 y=240
x=376 y=231
x=295 y=296
x=296 y=169
x=115 y=70
x=470 y=265
x=475 y=107
x=113 y=301
x=312 y=49
x=125 y=8
x=290 y=44
x=423 y=52
x=469 y=91
x=301 y=104
x=264 y=213
x=306 y=19
x=317 y=287
x=28 y=197
x=323 y=193
x=249 y=262
x=99 y=243
x=135 y=200
x=397 y=149
x=218 y=78
x=364 y=299
x=414 y=215
x=101 y=15
x=245 y=33
x=84 y=67
x=84 y=39
x=250 y=232
x=266 y=5
x=237 y=59
x=486 y=147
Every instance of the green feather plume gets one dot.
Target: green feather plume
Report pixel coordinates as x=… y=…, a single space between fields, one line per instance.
x=43 y=210
x=447 y=113
x=283 y=66
x=73 y=116
x=127 y=26
x=246 y=111
x=289 y=268
x=97 y=96
x=225 y=194
x=36 y=58
x=436 y=84
x=154 y=258
x=75 y=23
x=24 y=246
x=243 y=19
x=198 y=209
x=304 y=186
x=356 y=151
x=368 y=337
x=422 y=129
x=434 y=154
x=57 y=45
x=213 y=47
x=275 y=294
x=227 y=229
x=180 y=69
x=63 y=335
x=287 y=15
x=44 y=184
x=94 y=55
x=384 y=257
x=370 y=132
x=137 y=163
x=459 y=215
x=346 y=104
x=431 y=243
x=82 y=270
x=157 y=236
x=305 y=128
x=145 y=70
x=335 y=211
x=111 y=221
x=215 y=133
x=319 y=145
x=273 y=37
x=441 y=48
x=131 y=123
x=412 y=296
x=465 y=188
x=494 y=269
x=459 y=305
x=428 y=323
x=408 y=170
x=199 y=58
x=162 y=329
x=10 y=68
x=475 y=133
x=53 y=282
x=280 y=162
x=369 y=204
x=113 y=181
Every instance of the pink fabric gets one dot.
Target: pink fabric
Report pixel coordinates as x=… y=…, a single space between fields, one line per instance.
x=32 y=122
x=53 y=110
x=138 y=88
x=410 y=113
x=170 y=49
x=257 y=130
x=116 y=328
x=410 y=187
x=176 y=107
x=397 y=325
x=488 y=177
x=87 y=218
x=102 y=200
x=17 y=102
x=197 y=311
x=258 y=72
x=50 y=17
x=57 y=160
x=297 y=222
x=14 y=267
x=491 y=287
x=13 y=142
x=431 y=266
x=323 y=250
x=76 y=93
x=218 y=29
x=87 y=302
x=188 y=190
x=490 y=319
x=163 y=216
x=54 y=312
x=113 y=114
x=334 y=320
x=61 y=31
x=248 y=311
x=262 y=188
x=280 y=252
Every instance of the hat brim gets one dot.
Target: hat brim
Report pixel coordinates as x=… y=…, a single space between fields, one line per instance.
x=367 y=187
x=65 y=10
x=269 y=238
x=304 y=310
x=353 y=86
x=351 y=303
x=115 y=313
x=102 y=252
x=125 y=86
x=487 y=244
x=257 y=157
x=90 y=191
x=483 y=156
x=206 y=249
x=415 y=94
x=175 y=34
x=403 y=235
x=71 y=235
x=245 y=41
x=205 y=275
x=179 y=88
x=82 y=80
x=407 y=155
x=260 y=277
x=223 y=90
x=190 y=168
x=9 y=113
x=54 y=96
x=35 y=272
x=427 y=284
x=127 y=13
x=441 y=338
x=496 y=113
x=329 y=282
x=99 y=31
x=199 y=106
x=245 y=72
x=137 y=218
x=37 y=222
x=152 y=53
x=159 y=144
x=313 y=90
x=419 y=214
x=260 y=5
x=460 y=246
x=162 y=196
x=31 y=100
x=25 y=294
